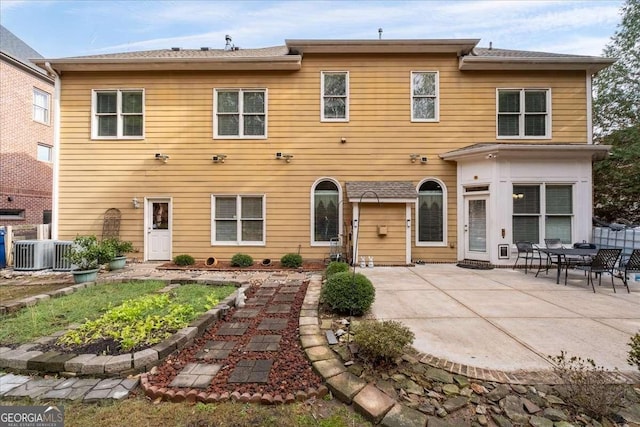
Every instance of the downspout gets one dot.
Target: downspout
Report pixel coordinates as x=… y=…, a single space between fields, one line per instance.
x=55 y=202
x=589 y=79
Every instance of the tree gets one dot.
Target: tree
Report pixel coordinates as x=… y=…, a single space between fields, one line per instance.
x=617 y=88
x=616 y=114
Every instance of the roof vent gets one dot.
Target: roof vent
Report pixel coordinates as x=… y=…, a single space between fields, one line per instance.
x=175 y=49
x=204 y=48
x=490 y=45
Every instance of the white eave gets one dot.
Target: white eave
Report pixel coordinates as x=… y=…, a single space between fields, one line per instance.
x=288 y=62
x=589 y=64
x=457 y=46
x=551 y=151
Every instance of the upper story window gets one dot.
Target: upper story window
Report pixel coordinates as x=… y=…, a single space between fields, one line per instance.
x=44 y=152
x=424 y=96
x=240 y=113
x=335 y=96
x=41 y=102
x=118 y=114
x=524 y=113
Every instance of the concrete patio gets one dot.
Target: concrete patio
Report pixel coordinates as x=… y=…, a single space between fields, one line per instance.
x=507 y=320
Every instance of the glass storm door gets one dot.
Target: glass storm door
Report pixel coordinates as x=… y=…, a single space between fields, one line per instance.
x=158 y=229
x=476 y=228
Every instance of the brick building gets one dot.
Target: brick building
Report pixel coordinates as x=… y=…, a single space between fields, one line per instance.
x=26 y=135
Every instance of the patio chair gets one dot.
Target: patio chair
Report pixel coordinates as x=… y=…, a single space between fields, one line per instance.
x=631 y=266
x=527 y=251
x=603 y=262
x=570 y=261
x=549 y=244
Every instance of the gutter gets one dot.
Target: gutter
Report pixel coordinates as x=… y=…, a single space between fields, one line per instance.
x=55 y=202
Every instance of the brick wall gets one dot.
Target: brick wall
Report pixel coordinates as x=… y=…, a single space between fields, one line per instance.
x=23 y=179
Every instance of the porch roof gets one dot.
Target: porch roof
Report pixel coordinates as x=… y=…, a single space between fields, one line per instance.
x=492 y=151
x=381 y=191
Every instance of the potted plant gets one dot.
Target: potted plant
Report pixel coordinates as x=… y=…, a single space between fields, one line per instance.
x=86 y=255
x=118 y=248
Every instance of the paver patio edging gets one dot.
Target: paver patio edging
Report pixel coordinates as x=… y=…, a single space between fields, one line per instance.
x=26 y=358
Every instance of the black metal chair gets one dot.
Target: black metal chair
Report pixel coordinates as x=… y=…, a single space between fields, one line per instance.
x=527 y=251
x=570 y=261
x=631 y=266
x=549 y=244
x=604 y=262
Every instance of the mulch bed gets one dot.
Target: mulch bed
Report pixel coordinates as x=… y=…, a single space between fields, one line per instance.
x=257 y=266
x=290 y=372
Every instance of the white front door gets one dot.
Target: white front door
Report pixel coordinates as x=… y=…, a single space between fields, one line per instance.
x=158 y=225
x=475 y=228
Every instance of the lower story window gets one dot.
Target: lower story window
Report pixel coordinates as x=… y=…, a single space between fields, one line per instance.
x=430 y=212
x=238 y=219
x=545 y=207
x=12 y=214
x=326 y=217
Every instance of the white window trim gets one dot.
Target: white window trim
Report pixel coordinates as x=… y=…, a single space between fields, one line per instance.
x=436 y=118
x=240 y=105
x=119 y=114
x=347 y=98
x=521 y=114
x=312 y=212
x=543 y=208
x=445 y=228
x=47 y=108
x=50 y=148
x=238 y=197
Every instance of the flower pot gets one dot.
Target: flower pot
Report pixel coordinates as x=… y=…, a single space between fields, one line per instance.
x=211 y=262
x=83 y=276
x=117 y=263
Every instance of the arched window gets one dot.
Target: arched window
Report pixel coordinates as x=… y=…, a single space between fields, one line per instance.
x=325 y=213
x=431 y=213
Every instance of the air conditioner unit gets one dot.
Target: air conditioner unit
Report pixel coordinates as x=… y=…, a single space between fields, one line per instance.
x=33 y=255
x=60 y=251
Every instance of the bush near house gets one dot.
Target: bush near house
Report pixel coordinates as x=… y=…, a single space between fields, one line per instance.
x=346 y=293
x=184 y=260
x=291 y=260
x=336 y=267
x=634 y=353
x=241 y=260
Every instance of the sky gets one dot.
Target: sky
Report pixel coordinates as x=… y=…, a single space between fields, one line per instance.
x=62 y=28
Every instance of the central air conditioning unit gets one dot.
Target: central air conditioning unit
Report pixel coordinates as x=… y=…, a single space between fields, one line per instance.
x=33 y=255
x=61 y=249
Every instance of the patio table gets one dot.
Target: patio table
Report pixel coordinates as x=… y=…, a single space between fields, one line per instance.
x=562 y=253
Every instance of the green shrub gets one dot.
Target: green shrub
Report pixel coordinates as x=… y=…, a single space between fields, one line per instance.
x=119 y=247
x=587 y=387
x=87 y=253
x=336 y=267
x=291 y=260
x=346 y=293
x=241 y=260
x=381 y=341
x=183 y=260
x=634 y=353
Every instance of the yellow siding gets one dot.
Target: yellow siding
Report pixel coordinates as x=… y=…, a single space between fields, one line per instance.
x=389 y=249
x=99 y=174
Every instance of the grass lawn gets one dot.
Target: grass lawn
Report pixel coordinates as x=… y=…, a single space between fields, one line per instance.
x=140 y=412
x=56 y=314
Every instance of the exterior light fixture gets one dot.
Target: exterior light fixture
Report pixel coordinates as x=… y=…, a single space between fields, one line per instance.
x=135 y=203
x=163 y=157
x=287 y=157
x=490 y=156
x=517 y=196
x=219 y=158
x=414 y=157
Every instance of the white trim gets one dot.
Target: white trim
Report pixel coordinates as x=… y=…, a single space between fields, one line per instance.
x=241 y=114
x=445 y=192
x=55 y=196
x=436 y=112
x=119 y=132
x=47 y=108
x=49 y=158
x=407 y=216
x=238 y=219
x=312 y=211
x=589 y=94
x=355 y=212
x=322 y=96
x=147 y=226
x=522 y=113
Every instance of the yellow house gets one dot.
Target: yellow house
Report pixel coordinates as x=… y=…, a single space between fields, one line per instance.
x=395 y=150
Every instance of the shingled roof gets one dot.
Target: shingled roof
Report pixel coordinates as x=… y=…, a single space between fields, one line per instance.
x=201 y=53
x=401 y=191
x=17 y=50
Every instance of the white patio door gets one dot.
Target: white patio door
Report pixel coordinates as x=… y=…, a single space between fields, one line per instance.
x=475 y=227
x=158 y=225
